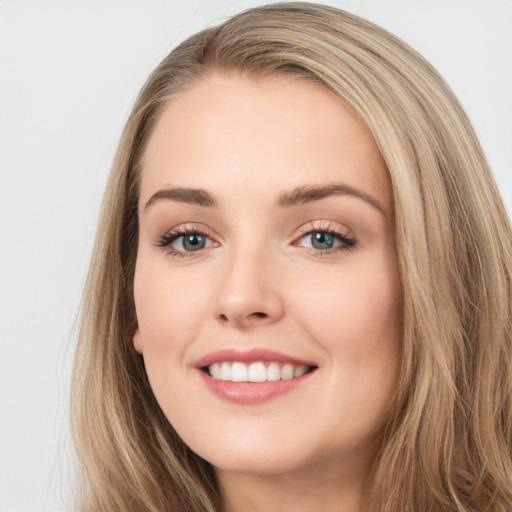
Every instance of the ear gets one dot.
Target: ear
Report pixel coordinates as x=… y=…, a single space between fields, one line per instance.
x=137 y=341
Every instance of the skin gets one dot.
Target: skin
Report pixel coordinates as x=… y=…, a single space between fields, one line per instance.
x=259 y=283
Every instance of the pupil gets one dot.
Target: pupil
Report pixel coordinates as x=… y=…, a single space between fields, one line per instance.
x=322 y=240
x=193 y=242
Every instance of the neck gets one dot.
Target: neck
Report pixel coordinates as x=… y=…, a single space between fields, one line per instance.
x=326 y=487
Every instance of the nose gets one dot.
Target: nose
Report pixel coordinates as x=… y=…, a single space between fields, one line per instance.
x=249 y=294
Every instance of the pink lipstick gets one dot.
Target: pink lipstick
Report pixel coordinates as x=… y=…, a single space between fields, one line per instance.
x=252 y=376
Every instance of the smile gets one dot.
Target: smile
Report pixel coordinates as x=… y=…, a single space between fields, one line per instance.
x=258 y=371
x=252 y=376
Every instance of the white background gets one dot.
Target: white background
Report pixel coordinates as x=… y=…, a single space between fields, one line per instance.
x=69 y=72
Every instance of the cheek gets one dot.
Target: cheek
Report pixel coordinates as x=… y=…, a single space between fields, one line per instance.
x=356 y=317
x=167 y=310
x=352 y=302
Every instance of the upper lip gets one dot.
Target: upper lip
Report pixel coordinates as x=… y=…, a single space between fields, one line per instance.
x=248 y=356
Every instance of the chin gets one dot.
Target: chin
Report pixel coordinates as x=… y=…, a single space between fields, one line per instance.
x=244 y=450
x=258 y=463
x=260 y=454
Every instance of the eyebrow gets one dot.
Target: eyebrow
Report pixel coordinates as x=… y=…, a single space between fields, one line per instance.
x=295 y=197
x=309 y=193
x=183 y=195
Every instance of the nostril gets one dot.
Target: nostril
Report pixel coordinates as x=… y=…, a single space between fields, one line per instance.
x=257 y=315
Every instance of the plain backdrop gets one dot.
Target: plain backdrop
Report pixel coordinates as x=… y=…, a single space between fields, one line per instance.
x=69 y=72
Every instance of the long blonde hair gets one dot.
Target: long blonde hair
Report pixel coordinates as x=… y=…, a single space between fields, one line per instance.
x=448 y=443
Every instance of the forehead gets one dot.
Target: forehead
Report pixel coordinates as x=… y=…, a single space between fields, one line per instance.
x=232 y=130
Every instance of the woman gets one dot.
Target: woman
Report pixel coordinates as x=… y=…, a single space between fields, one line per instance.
x=299 y=297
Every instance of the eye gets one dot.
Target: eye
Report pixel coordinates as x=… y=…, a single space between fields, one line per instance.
x=183 y=241
x=191 y=242
x=321 y=240
x=325 y=241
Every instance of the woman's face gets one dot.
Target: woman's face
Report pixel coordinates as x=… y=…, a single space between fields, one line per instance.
x=266 y=284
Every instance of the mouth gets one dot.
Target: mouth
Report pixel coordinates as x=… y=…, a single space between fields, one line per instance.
x=258 y=371
x=252 y=376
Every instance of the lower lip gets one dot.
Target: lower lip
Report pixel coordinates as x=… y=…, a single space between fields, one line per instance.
x=251 y=392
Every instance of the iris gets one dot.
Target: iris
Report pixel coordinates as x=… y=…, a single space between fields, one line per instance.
x=322 y=240
x=193 y=242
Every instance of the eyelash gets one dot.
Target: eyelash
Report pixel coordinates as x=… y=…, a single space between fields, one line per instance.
x=347 y=242
x=166 y=241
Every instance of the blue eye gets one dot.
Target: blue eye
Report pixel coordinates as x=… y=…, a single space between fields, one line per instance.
x=192 y=242
x=322 y=240
x=182 y=243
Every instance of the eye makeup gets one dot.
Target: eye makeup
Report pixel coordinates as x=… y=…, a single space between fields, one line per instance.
x=187 y=240
x=324 y=238
x=318 y=238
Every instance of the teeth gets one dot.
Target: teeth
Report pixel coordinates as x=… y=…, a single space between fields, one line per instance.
x=225 y=371
x=239 y=372
x=273 y=371
x=299 y=371
x=256 y=372
x=215 y=371
x=287 y=372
